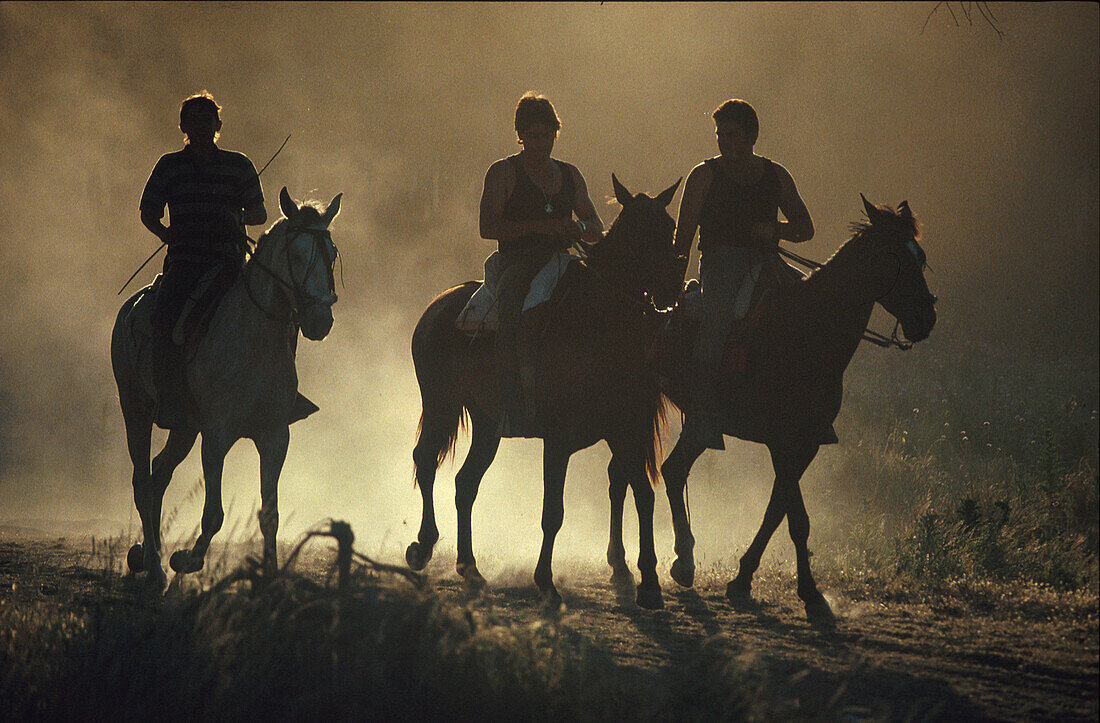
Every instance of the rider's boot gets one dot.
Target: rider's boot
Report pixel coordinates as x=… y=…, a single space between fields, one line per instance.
x=703 y=419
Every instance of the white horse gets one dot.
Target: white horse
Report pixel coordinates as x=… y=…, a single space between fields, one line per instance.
x=242 y=379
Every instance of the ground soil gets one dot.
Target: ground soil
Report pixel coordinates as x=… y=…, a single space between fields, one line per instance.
x=884 y=659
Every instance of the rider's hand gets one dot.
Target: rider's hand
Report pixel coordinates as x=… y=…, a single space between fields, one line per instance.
x=565 y=228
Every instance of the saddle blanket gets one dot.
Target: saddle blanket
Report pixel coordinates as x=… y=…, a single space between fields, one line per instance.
x=479 y=316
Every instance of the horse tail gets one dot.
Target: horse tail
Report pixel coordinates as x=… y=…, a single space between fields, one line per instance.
x=434 y=347
x=655 y=451
x=458 y=422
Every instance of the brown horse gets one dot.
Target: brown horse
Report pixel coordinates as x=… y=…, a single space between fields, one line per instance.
x=792 y=389
x=594 y=381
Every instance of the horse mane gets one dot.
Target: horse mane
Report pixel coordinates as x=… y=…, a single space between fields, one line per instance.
x=860 y=231
x=309 y=213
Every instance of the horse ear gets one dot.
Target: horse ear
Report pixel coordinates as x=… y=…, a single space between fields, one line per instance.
x=872 y=212
x=622 y=195
x=286 y=203
x=665 y=196
x=332 y=209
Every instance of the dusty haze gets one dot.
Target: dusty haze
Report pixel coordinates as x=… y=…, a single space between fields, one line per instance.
x=403 y=107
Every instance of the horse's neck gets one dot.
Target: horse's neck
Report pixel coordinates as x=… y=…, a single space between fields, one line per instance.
x=836 y=306
x=608 y=267
x=252 y=317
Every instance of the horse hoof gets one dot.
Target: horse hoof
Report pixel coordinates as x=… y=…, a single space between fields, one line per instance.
x=683 y=572
x=156 y=580
x=183 y=562
x=650 y=599
x=621 y=579
x=551 y=601
x=819 y=613
x=135 y=558
x=417 y=557
x=471 y=577
x=739 y=591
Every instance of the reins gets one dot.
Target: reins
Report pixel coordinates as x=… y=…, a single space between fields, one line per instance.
x=880 y=340
x=643 y=306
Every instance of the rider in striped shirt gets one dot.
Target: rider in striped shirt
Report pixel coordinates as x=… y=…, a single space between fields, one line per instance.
x=211 y=194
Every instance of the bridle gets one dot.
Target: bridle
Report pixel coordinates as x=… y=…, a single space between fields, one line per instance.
x=881 y=340
x=627 y=266
x=323 y=249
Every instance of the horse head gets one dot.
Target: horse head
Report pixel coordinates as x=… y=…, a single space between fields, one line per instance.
x=297 y=252
x=641 y=241
x=895 y=234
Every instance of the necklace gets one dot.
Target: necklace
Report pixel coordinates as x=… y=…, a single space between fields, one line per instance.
x=549 y=207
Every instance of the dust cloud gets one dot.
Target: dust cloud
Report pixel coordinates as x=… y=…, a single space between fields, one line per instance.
x=403 y=107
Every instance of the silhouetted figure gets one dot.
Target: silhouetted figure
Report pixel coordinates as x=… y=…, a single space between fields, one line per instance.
x=527 y=207
x=211 y=194
x=242 y=379
x=595 y=378
x=732 y=200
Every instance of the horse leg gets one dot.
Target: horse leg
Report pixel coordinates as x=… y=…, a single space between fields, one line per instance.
x=175 y=450
x=272 y=450
x=621 y=577
x=144 y=555
x=675 y=472
x=434 y=436
x=483 y=449
x=788 y=468
x=214 y=450
x=628 y=464
x=555 y=459
x=798 y=522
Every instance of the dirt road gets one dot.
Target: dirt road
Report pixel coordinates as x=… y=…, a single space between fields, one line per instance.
x=884 y=660
x=1025 y=658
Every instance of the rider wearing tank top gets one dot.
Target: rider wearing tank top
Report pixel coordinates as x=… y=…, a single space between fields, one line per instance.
x=527 y=207
x=733 y=201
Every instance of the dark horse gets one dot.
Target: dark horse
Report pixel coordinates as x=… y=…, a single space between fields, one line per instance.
x=595 y=381
x=803 y=342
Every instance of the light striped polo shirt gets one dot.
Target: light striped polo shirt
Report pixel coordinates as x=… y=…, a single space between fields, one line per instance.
x=197 y=197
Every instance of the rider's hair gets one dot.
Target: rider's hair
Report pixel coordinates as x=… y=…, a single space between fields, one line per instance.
x=536 y=108
x=738 y=112
x=201 y=102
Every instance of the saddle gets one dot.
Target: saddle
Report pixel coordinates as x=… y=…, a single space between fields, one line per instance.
x=194 y=319
x=676 y=337
x=479 y=317
x=675 y=344
x=192 y=327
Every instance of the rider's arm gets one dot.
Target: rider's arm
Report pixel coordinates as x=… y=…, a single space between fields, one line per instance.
x=799 y=226
x=499 y=180
x=691 y=208
x=151 y=220
x=252 y=198
x=585 y=209
x=153 y=200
